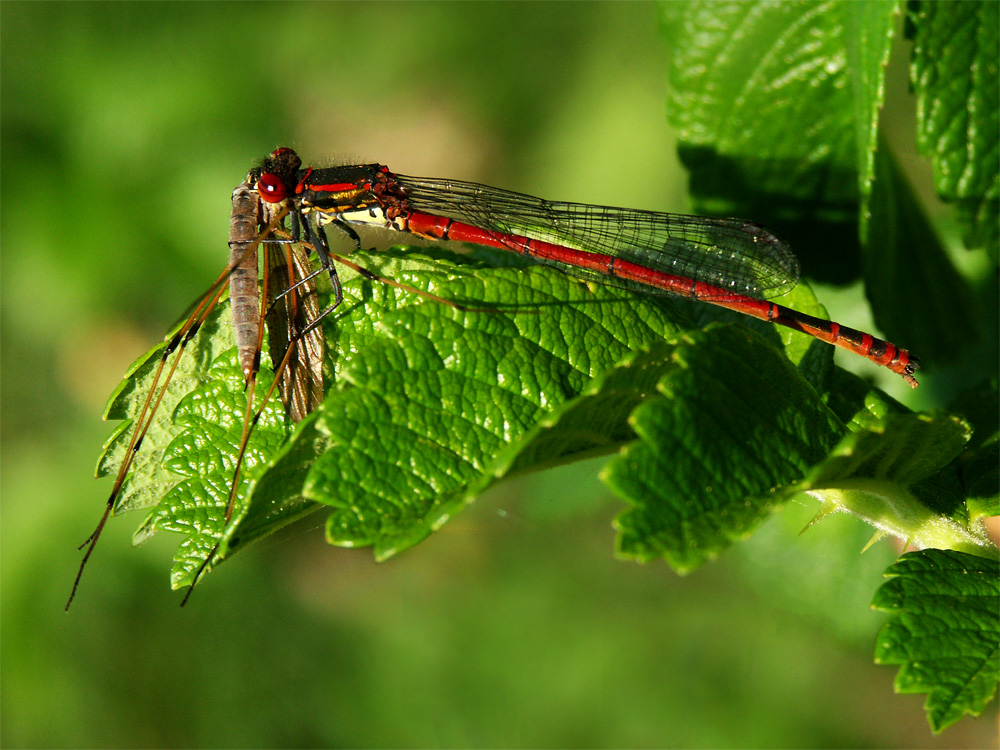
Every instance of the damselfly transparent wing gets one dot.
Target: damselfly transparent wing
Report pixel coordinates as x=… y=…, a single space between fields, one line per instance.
x=734 y=255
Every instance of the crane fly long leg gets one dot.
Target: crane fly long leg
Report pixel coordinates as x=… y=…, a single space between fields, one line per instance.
x=173 y=352
x=176 y=346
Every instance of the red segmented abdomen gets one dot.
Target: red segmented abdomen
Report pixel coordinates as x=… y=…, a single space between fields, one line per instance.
x=881 y=352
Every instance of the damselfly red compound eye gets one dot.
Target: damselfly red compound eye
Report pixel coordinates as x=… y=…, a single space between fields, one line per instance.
x=271 y=188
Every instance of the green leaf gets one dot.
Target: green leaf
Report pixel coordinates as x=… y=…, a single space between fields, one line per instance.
x=904 y=261
x=413 y=379
x=776 y=107
x=735 y=423
x=868 y=33
x=979 y=466
x=944 y=629
x=427 y=404
x=899 y=476
x=202 y=455
x=184 y=469
x=956 y=59
x=149 y=479
x=753 y=87
x=433 y=403
x=733 y=434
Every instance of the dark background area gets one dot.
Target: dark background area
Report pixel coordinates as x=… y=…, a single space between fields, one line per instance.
x=125 y=128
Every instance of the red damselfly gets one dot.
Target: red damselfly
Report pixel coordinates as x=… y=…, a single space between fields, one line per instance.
x=730 y=263
x=726 y=262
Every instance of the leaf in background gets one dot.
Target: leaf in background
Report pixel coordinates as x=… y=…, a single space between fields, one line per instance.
x=868 y=32
x=777 y=107
x=903 y=260
x=766 y=116
x=944 y=629
x=916 y=294
x=956 y=61
x=979 y=466
x=980 y=473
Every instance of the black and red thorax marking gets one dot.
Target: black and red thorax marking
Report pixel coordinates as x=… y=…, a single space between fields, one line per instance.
x=331 y=192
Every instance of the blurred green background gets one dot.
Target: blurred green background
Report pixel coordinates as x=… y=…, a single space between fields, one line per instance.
x=125 y=128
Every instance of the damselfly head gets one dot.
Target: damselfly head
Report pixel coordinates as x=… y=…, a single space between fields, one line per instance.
x=275 y=178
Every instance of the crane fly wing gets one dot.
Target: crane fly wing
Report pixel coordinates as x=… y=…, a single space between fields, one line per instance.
x=301 y=380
